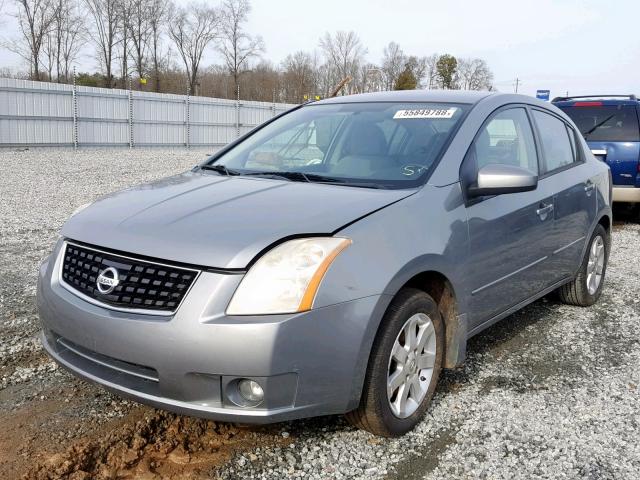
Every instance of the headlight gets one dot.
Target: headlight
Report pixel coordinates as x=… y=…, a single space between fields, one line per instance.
x=286 y=279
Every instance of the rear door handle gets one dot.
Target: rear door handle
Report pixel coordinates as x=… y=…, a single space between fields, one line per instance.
x=544 y=210
x=589 y=186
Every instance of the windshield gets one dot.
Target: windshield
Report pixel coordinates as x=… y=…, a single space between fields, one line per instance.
x=378 y=145
x=616 y=123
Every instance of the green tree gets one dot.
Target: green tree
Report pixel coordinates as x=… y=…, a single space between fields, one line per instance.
x=90 y=80
x=446 y=69
x=406 y=80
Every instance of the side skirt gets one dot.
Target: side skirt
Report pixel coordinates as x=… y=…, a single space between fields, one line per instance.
x=515 y=308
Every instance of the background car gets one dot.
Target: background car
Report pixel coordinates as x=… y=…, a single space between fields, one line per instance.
x=609 y=123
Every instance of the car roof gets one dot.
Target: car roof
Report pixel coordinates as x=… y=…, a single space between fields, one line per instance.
x=435 y=96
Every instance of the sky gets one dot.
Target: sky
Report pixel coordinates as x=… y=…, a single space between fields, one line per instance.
x=579 y=47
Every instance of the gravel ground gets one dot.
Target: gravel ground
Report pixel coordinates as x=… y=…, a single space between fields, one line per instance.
x=551 y=392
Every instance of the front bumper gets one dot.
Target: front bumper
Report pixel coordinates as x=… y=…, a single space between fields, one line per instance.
x=308 y=364
x=626 y=194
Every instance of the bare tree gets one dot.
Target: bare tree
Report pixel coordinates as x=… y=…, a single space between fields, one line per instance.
x=261 y=83
x=431 y=70
x=158 y=13
x=299 y=76
x=393 y=62
x=344 y=55
x=236 y=46
x=192 y=29
x=63 y=42
x=106 y=21
x=73 y=31
x=125 y=9
x=139 y=26
x=35 y=19
x=474 y=74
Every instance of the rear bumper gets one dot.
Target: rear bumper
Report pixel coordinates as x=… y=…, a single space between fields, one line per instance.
x=626 y=194
x=308 y=364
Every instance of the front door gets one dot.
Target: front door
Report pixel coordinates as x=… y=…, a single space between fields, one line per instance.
x=509 y=235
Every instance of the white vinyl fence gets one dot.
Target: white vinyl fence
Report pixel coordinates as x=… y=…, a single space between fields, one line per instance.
x=51 y=114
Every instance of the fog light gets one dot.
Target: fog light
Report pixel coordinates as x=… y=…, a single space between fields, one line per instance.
x=250 y=391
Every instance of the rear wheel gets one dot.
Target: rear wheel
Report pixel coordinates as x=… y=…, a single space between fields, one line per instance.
x=404 y=366
x=585 y=289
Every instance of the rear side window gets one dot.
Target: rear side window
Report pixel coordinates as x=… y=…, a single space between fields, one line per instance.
x=556 y=144
x=507 y=139
x=615 y=123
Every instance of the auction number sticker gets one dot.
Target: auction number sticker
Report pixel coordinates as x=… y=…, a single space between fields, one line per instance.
x=426 y=113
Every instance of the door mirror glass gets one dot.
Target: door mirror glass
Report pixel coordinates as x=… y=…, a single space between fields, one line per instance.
x=497 y=179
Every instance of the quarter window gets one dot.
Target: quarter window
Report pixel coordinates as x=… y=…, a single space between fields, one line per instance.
x=572 y=139
x=556 y=144
x=507 y=139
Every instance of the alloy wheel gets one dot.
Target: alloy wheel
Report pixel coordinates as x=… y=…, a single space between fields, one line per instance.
x=411 y=364
x=595 y=266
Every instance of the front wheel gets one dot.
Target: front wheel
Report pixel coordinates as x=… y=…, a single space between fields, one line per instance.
x=404 y=366
x=585 y=289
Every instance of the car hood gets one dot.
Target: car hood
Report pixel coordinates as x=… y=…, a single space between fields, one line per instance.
x=216 y=221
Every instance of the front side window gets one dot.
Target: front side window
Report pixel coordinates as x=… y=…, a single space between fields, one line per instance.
x=556 y=144
x=508 y=140
x=384 y=145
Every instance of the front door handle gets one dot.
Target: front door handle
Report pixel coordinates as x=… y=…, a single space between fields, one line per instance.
x=544 y=210
x=588 y=188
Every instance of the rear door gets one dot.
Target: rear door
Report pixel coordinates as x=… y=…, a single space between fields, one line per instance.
x=564 y=171
x=613 y=134
x=509 y=235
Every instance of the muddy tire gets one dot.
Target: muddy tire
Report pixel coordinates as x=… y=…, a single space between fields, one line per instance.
x=404 y=366
x=585 y=289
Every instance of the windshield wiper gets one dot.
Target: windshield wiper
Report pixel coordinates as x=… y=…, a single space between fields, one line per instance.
x=291 y=176
x=295 y=177
x=217 y=167
x=315 y=178
x=598 y=125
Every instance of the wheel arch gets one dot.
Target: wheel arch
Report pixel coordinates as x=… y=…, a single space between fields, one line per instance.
x=606 y=221
x=441 y=289
x=436 y=281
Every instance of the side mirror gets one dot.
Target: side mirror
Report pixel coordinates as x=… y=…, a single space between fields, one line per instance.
x=496 y=179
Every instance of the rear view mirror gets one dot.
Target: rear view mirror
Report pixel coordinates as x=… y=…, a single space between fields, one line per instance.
x=497 y=179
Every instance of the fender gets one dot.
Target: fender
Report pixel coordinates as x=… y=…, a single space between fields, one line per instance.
x=429 y=273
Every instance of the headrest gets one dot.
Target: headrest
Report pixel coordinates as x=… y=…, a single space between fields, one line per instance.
x=365 y=138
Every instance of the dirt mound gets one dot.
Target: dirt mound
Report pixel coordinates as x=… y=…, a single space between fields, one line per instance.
x=158 y=445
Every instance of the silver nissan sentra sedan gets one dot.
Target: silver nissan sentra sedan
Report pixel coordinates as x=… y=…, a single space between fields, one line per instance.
x=333 y=260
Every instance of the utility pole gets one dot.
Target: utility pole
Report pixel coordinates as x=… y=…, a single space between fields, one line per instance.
x=517 y=84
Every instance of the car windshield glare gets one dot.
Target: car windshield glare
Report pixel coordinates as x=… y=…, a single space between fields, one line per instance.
x=383 y=145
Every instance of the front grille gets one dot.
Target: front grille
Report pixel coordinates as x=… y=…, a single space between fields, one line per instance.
x=142 y=284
